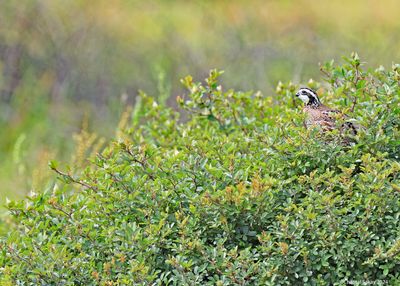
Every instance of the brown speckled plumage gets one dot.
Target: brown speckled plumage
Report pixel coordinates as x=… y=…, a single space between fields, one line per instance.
x=321 y=115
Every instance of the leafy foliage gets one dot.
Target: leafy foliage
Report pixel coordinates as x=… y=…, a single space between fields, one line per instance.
x=61 y=61
x=236 y=193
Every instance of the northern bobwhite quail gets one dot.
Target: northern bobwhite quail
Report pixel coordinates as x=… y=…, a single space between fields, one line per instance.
x=321 y=115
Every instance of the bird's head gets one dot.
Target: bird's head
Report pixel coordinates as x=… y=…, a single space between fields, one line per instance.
x=308 y=96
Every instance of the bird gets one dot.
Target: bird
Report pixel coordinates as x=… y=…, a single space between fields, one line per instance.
x=321 y=115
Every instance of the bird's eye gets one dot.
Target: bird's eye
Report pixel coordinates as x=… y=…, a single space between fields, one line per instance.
x=304 y=92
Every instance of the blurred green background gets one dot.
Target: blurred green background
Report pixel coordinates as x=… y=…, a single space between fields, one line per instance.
x=68 y=69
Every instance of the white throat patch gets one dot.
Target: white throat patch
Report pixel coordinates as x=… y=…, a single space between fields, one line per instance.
x=304 y=98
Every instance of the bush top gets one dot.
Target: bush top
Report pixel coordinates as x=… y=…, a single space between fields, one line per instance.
x=235 y=191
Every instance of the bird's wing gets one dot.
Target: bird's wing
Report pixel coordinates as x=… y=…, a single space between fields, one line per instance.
x=321 y=116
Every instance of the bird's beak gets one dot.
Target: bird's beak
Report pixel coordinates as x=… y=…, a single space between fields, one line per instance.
x=297 y=94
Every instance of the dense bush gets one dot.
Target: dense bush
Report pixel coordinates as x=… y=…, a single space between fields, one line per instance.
x=235 y=193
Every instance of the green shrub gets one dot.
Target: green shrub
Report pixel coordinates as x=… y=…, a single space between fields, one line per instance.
x=236 y=192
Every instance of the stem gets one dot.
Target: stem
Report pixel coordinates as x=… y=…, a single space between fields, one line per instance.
x=76 y=181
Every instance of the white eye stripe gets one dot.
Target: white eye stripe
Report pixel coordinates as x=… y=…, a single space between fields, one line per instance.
x=307 y=90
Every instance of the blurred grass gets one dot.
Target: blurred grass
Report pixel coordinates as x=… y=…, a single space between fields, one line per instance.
x=64 y=61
